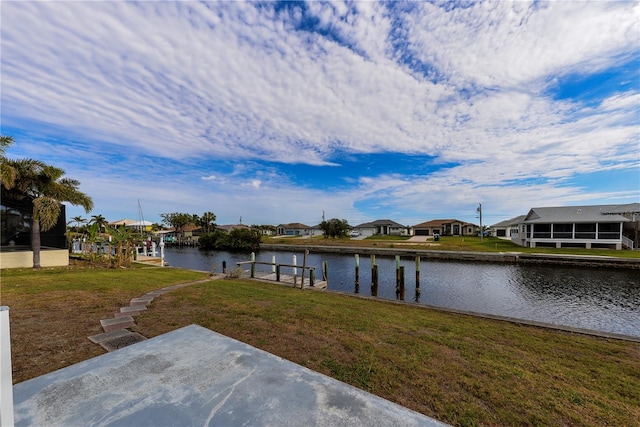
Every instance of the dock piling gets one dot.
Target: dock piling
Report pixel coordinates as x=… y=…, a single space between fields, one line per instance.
x=357 y=274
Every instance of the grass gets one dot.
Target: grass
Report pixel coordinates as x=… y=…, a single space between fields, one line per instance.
x=54 y=310
x=450 y=243
x=460 y=369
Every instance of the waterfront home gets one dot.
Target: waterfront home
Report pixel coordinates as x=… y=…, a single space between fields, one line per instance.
x=140 y=225
x=382 y=227
x=595 y=226
x=125 y=222
x=445 y=227
x=230 y=227
x=506 y=227
x=293 y=229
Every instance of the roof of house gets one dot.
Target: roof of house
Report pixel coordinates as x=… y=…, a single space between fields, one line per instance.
x=593 y=213
x=440 y=223
x=629 y=208
x=230 y=227
x=143 y=223
x=380 y=223
x=507 y=222
x=122 y=222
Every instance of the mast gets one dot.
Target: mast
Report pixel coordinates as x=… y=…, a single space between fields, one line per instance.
x=140 y=218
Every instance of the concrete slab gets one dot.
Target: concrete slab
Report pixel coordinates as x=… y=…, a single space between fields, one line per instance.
x=116 y=323
x=143 y=300
x=129 y=313
x=118 y=339
x=133 y=308
x=98 y=338
x=193 y=376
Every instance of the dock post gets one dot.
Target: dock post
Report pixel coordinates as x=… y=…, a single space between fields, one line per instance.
x=162 y=251
x=417 y=275
x=401 y=270
x=304 y=266
x=374 y=276
x=397 y=276
x=6 y=382
x=277 y=272
x=273 y=263
x=325 y=276
x=295 y=272
x=224 y=267
x=253 y=265
x=374 y=280
x=417 y=297
x=357 y=274
x=312 y=276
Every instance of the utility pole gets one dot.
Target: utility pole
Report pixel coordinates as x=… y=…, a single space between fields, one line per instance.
x=479 y=210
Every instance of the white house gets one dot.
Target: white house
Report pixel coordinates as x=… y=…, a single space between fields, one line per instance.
x=596 y=226
x=293 y=229
x=382 y=227
x=504 y=228
x=445 y=227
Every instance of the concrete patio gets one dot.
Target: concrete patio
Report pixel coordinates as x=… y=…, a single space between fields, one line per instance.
x=194 y=376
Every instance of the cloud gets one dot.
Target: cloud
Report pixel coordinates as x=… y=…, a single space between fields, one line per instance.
x=193 y=103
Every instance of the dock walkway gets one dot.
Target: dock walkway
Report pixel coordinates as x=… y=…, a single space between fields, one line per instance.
x=285 y=279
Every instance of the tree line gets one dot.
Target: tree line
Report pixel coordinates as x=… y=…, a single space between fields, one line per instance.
x=238 y=239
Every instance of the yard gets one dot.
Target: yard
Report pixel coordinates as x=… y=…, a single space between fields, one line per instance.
x=456 y=368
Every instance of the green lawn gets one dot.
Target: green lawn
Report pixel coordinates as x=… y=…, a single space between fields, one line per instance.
x=460 y=369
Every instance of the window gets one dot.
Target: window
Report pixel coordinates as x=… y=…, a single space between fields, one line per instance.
x=586 y=231
x=562 y=231
x=16 y=226
x=609 y=230
x=542 y=231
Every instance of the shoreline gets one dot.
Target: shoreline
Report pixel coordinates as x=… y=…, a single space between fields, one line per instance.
x=497 y=257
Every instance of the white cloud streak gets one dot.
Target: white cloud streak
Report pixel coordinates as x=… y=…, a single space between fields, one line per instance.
x=204 y=83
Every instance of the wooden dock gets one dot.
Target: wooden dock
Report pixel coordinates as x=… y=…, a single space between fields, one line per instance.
x=150 y=260
x=285 y=279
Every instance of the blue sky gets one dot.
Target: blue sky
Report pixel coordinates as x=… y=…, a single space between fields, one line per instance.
x=280 y=112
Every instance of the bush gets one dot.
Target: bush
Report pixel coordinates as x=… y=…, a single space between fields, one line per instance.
x=238 y=240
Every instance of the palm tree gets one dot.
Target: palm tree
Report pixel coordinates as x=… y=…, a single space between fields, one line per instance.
x=207 y=222
x=78 y=220
x=101 y=221
x=7 y=172
x=46 y=187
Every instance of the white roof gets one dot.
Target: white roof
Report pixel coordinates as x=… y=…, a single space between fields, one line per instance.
x=570 y=214
x=139 y=224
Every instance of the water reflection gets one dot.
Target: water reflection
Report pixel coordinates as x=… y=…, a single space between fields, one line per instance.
x=599 y=299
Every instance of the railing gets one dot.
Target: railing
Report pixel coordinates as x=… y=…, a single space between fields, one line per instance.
x=541 y=234
x=585 y=235
x=608 y=235
x=562 y=234
x=627 y=242
x=277 y=267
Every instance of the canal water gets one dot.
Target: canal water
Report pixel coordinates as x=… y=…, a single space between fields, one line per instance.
x=598 y=299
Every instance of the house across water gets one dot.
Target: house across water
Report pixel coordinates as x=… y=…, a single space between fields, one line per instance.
x=595 y=226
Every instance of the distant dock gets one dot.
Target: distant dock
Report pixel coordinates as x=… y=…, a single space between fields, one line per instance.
x=285 y=279
x=303 y=281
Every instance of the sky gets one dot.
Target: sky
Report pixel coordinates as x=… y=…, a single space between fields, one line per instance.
x=279 y=112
